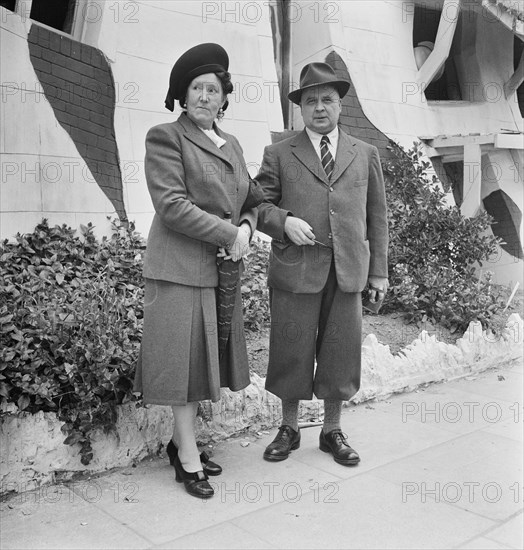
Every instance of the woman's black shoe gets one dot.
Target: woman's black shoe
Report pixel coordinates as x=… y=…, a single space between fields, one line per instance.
x=196 y=483
x=210 y=468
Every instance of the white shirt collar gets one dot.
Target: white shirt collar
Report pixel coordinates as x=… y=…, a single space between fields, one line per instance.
x=315 y=138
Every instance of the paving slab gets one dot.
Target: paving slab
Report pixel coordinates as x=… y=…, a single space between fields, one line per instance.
x=378 y=438
x=453 y=408
x=226 y=536
x=504 y=384
x=463 y=475
x=162 y=511
x=56 y=517
x=366 y=512
x=425 y=481
x=510 y=533
x=511 y=428
x=482 y=543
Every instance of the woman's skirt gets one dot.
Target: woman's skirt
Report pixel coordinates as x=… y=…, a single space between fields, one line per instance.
x=178 y=361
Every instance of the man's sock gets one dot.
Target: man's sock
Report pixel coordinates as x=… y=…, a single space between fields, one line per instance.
x=290 y=413
x=332 y=413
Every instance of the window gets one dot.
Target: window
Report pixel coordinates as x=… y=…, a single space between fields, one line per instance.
x=8 y=4
x=425 y=26
x=517 y=56
x=454 y=173
x=56 y=14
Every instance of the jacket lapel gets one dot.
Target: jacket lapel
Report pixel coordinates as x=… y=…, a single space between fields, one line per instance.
x=196 y=136
x=346 y=153
x=228 y=150
x=305 y=152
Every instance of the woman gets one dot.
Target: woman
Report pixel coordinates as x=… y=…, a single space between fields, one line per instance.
x=197 y=176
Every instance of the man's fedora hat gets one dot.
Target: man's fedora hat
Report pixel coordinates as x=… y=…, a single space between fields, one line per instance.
x=317 y=74
x=201 y=59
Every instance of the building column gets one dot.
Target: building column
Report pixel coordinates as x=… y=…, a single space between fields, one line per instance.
x=471 y=202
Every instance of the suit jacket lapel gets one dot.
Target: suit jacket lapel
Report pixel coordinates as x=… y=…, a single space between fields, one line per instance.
x=346 y=154
x=198 y=137
x=305 y=152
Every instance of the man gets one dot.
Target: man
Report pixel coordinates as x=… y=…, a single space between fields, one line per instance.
x=325 y=209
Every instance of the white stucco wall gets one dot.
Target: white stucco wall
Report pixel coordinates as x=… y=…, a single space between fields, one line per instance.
x=42 y=173
x=375 y=39
x=142 y=64
x=502 y=169
x=141 y=41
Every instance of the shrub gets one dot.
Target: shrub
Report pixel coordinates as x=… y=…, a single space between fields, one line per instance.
x=71 y=323
x=70 y=315
x=434 y=251
x=255 y=292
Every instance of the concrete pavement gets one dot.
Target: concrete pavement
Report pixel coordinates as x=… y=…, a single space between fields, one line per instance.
x=441 y=468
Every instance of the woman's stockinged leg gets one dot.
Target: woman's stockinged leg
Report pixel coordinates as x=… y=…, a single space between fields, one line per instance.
x=184 y=436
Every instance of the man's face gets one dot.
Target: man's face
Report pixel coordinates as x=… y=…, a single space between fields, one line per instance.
x=321 y=107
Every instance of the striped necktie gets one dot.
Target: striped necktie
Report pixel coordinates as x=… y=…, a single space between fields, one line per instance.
x=327 y=160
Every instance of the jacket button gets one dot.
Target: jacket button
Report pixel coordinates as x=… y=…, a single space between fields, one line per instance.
x=332 y=211
x=331 y=189
x=330 y=236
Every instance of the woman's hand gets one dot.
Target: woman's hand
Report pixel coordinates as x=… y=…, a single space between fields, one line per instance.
x=241 y=245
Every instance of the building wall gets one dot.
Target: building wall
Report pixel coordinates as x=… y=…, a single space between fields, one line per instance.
x=140 y=46
x=47 y=171
x=502 y=193
x=352 y=118
x=143 y=62
x=375 y=42
x=42 y=172
x=78 y=84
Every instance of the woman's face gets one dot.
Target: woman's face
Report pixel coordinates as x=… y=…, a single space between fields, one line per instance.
x=203 y=100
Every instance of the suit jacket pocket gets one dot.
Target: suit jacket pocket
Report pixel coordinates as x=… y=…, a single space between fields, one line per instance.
x=286 y=253
x=360 y=183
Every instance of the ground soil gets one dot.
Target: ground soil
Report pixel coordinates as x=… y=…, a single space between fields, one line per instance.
x=390 y=329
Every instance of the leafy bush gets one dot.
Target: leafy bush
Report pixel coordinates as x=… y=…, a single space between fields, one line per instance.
x=435 y=251
x=71 y=323
x=70 y=316
x=255 y=292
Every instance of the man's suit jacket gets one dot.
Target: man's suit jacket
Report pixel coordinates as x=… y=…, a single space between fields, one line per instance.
x=192 y=184
x=348 y=213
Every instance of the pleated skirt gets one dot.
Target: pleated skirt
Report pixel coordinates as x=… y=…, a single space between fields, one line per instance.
x=178 y=361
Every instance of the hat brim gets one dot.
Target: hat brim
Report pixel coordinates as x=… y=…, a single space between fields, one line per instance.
x=342 y=87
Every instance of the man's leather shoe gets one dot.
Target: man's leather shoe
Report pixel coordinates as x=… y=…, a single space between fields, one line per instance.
x=335 y=442
x=287 y=440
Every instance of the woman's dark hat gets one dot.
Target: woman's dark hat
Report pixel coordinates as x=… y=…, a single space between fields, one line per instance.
x=317 y=74
x=202 y=59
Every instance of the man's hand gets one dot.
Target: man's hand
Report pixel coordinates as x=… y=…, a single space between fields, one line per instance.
x=241 y=244
x=299 y=231
x=378 y=286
